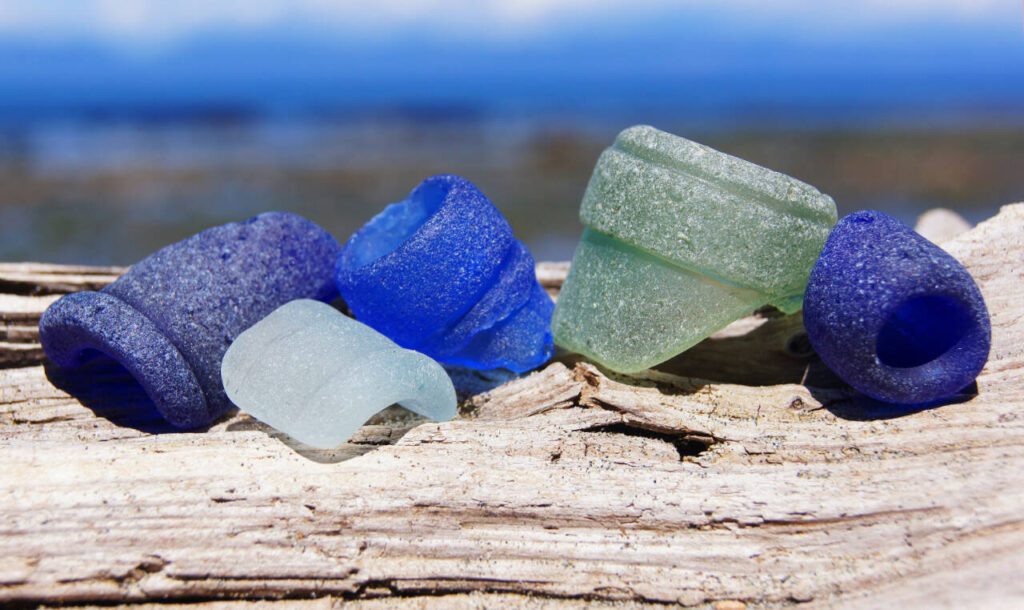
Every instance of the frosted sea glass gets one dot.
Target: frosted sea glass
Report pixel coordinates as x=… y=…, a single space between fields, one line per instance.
x=894 y=315
x=679 y=241
x=318 y=375
x=171 y=317
x=441 y=272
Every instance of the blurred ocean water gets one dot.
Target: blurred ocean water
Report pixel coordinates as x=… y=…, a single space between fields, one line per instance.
x=125 y=126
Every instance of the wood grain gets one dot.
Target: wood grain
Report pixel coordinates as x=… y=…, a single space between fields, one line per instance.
x=565 y=488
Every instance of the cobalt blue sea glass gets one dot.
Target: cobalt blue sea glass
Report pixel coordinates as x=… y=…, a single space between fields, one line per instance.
x=441 y=273
x=171 y=317
x=894 y=315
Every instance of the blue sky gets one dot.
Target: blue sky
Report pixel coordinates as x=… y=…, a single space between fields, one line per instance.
x=910 y=56
x=157 y=23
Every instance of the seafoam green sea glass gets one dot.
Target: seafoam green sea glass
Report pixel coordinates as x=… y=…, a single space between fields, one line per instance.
x=318 y=375
x=679 y=241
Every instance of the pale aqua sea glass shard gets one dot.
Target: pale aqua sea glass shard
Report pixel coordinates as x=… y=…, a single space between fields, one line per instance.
x=318 y=375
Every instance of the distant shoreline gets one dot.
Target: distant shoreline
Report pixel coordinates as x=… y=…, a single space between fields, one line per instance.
x=143 y=183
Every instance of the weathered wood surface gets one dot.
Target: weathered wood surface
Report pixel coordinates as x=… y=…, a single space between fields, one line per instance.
x=566 y=488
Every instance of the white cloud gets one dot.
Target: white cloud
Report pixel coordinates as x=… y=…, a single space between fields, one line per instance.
x=162 y=21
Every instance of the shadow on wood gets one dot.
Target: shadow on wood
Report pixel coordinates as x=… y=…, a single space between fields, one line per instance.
x=109 y=391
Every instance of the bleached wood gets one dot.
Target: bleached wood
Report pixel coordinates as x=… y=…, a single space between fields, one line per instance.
x=564 y=488
x=941 y=225
x=44 y=278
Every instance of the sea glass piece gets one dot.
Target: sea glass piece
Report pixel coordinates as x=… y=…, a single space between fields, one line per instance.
x=894 y=315
x=171 y=317
x=318 y=375
x=441 y=273
x=679 y=241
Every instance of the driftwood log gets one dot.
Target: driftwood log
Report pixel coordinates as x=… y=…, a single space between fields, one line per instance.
x=754 y=481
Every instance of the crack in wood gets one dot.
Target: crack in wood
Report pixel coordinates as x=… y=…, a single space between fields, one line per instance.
x=685 y=444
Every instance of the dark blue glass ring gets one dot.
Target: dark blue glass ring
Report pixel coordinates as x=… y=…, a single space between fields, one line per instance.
x=894 y=315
